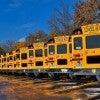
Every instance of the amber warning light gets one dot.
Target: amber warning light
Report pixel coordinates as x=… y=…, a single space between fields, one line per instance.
x=77 y=55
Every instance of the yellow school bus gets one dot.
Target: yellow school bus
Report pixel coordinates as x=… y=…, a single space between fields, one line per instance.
x=59 y=54
x=86 y=49
x=46 y=66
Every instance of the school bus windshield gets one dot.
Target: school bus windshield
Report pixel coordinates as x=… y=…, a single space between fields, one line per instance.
x=39 y=53
x=61 y=49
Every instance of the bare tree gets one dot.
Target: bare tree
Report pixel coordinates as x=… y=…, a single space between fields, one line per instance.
x=61 y=19
x=20 y=45
x=1 y=51
x=86 y=12
x=30 y=39
x=41 y=36
x=8 y=46
x=53 y=34
x=37 y=36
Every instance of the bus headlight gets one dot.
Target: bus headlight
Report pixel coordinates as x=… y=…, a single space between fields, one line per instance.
x=51 y=65
x=93 y=71
x=39 y=70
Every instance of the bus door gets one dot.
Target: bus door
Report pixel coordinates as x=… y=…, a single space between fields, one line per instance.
x=51 y=55
x=11 y=63
x=5 y=62
x=17 y=59
x=78 y=51
x=62 y=55
x=46 y=58
x=39 y=55
x=70 y=65
x=30 y=58
x=24 y=59
x=14 y=60
x=39 y=58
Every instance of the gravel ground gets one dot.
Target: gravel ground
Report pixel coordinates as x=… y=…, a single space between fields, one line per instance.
x=18 y=88
x=12 y=88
